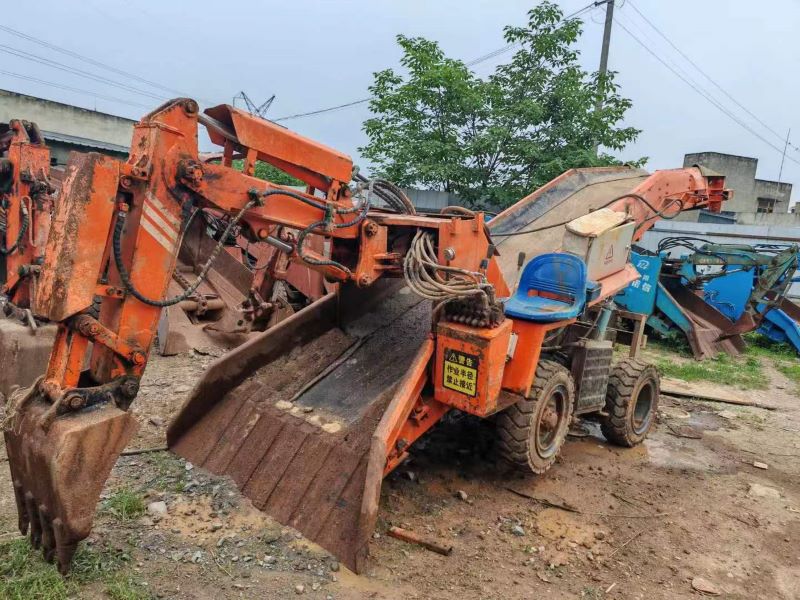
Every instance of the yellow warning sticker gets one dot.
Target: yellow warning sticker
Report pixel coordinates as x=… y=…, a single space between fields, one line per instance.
x=460 y=372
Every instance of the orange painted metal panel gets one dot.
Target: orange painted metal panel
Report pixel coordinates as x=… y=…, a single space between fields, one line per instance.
x=669 y=192
x=281 y=147
x=520 y=370
x=78 y=233
x=469 y=366
x=28 y=193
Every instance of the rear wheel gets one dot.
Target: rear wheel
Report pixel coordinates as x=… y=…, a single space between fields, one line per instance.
x=631 y=402
x=532 y=431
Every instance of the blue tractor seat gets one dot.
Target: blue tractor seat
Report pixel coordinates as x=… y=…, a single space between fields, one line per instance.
x=553 y=287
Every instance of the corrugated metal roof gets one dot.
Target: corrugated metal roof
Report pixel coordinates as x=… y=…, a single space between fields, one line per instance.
x=81 y=141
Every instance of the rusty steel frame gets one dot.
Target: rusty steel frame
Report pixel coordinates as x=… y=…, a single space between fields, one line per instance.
x=26 y=200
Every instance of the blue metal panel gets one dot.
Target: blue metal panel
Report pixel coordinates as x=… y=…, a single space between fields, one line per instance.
x=780 y=327
x=640 y=296
x=729 y=294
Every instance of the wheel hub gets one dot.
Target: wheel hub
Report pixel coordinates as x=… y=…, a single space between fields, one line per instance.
x=550 y=422
x=642 y=410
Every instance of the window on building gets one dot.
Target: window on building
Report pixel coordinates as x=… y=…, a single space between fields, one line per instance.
x=766 y=205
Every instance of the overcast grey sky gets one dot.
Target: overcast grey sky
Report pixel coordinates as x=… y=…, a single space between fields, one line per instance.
x=319 y=54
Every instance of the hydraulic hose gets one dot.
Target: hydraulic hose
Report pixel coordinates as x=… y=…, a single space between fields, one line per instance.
x=20 y=236
x=125 y=276
x=308 y=230
x=423 y=274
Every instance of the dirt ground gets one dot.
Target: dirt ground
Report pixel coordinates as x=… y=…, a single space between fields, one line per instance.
x=686 y=510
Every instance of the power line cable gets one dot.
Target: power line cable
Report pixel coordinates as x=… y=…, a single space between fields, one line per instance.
x=75 y=71
x=508 y=47
x=721 y=88
x=93 y=62
x=698 y=89
x=72 y=89
x=686 y=78
x=323 y=110
x=471 y=63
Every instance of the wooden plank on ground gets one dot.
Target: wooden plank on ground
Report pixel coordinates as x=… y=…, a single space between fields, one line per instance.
x=708 y=392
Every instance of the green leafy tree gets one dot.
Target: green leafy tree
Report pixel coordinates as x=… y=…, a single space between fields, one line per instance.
x=266 y=171
x=493 y=140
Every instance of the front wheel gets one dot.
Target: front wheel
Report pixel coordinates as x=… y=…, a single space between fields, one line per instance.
x=631 y=402
x=532 y=431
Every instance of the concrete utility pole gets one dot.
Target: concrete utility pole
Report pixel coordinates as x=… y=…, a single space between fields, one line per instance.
x=604 y=56
x=606 y=41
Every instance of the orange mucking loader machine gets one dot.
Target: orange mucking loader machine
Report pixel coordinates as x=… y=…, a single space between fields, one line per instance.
x=310 y=416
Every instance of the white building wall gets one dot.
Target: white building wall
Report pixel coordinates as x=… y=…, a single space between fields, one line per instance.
x=66 y=119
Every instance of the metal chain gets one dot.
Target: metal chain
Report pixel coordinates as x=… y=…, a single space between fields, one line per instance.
x=125 y=276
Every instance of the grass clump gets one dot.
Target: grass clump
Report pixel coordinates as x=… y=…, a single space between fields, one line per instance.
x=790 y=370
x=761 y=345
x=25 y=575
x=125 y=504
x=783 y=356
x=745 y=372
x=673 y=344
x=126 y=588
x=170 y=472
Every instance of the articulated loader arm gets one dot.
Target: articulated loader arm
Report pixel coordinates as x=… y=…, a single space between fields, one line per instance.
x=669 y=192
x=664 y=195
x=110 y=255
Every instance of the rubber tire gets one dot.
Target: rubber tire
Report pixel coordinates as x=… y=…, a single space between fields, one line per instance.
x=627 y=379
x=515 y=425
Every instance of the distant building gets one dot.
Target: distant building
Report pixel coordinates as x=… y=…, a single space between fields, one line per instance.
x=66 y=127
x=752 y=196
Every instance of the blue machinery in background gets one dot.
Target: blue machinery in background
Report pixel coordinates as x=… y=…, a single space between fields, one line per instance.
x=716 y=293
x=729 y=294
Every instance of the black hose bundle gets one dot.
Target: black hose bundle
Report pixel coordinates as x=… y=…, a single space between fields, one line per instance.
x=394 y=197
x=23 y=229
x=125 y=276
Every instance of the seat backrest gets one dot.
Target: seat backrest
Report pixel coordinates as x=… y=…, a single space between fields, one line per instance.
x=556 y=273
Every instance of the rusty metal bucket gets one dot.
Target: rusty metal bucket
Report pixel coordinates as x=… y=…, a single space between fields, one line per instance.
x=291 y=415
x=713 y=332
x=58 y=472
x=790 y=308
x=23 y=353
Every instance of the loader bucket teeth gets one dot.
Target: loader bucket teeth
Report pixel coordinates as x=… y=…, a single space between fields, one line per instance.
x=291 y=415
x=58 y=473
